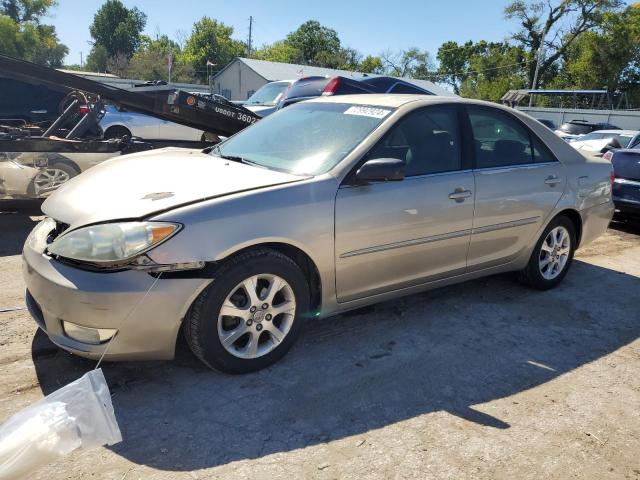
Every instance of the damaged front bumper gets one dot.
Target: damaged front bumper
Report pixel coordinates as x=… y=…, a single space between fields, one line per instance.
x=141 y=311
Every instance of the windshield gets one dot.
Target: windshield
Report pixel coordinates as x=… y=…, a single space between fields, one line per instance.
x=623 y=139
x=270 y=94
x=307 y=138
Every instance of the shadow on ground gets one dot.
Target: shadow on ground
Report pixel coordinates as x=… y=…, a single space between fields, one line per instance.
x=15 y=224
x=445 y=350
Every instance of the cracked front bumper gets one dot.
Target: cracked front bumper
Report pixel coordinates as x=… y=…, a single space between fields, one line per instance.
x=147 y=324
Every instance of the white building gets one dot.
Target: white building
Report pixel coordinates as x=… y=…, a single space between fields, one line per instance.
x=243 y=76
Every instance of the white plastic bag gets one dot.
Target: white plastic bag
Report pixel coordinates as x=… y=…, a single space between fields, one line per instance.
x=79 y=415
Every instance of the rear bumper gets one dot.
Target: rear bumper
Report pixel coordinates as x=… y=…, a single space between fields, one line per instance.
x=147 y=324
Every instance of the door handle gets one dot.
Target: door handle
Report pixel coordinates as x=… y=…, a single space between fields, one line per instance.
x=552 y=180
x=459 y=194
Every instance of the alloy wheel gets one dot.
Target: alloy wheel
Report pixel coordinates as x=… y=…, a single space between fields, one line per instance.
x=256 y=316
x=554 y=253
x=49 y=179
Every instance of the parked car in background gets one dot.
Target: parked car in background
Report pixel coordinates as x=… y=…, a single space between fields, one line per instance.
x=288 y=92
x=626 y=186
x=547 y=123
x=266 y=99
x=600 y=141
x=574 y=129
x=118 y=122
x=38 y=174
x=29 y=103
x=325 y=206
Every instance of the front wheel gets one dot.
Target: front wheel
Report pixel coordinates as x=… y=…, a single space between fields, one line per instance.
x=552 y=255
x=251 y=314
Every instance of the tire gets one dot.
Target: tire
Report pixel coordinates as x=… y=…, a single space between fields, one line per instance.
x=116 y=132
x=544 y=278
x=205 y=325
x=51 y=177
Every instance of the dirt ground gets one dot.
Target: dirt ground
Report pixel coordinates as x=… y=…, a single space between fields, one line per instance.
x=484 y=380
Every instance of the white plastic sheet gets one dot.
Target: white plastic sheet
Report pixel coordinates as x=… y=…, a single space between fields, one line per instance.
x=79 y=415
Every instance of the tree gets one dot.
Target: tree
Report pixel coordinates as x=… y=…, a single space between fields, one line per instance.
x=492 y=69
x=23 y=36
x=371 y=64
x=211 y=41
x=552 y=28
x=21 y=11
x=117 y=28
x=279 y=51
x=318 y=45
x=152 y=60
x=609 y=57
x=412 y=63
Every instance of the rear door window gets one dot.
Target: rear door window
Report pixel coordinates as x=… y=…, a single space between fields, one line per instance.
x=501 y=141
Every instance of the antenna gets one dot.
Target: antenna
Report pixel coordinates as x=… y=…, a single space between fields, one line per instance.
x=250 y=32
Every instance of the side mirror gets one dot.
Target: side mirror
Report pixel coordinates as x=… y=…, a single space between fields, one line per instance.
x=381 y=170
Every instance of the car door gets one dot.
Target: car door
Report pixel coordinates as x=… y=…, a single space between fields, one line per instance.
x=174 y=131
x=518 y=182
x=139 y=124
x=390 y=235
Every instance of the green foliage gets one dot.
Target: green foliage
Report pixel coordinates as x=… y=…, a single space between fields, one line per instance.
x=211 y=41
x=548 y=29
x=280 y=51
x=317 y=44
x=23 y=36
x=609 y=57
x=25 y=10
x=153 y=58
x=117 y=29
x=412 y=63
x=371 y=64
x=493 y=69
x=97 y=59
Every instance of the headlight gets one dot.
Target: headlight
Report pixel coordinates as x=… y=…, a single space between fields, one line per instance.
x=112 y=242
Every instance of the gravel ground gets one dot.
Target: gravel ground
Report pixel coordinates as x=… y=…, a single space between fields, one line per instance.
x=481 y=380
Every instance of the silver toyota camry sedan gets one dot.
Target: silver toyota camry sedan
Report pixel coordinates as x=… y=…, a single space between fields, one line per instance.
x=325 y=206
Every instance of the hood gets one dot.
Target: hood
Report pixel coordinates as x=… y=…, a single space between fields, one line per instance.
x=138 y=185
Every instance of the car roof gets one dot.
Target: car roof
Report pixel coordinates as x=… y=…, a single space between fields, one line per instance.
x=617 y=132
x=393 y=100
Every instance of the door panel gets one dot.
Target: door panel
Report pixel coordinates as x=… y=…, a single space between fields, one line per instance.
x=396 y=234
x=518 y=183
x=511 y=204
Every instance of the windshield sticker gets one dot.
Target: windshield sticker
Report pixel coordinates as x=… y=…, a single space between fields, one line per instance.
x=367 y=111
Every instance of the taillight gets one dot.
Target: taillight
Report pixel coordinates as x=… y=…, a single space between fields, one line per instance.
x=612 y=177
x=608 y=156
x=332 y=86
x=84 y=109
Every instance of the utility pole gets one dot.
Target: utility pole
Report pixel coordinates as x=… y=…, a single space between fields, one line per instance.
x=250 y=32
x=538 y=62
x=81 y=61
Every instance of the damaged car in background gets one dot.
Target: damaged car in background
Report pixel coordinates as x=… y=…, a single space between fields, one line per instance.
x=323 y=207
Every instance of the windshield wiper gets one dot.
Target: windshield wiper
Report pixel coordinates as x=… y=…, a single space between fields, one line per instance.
x=234 y=158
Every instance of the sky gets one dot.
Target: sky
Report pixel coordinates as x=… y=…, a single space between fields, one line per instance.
x=371 y=27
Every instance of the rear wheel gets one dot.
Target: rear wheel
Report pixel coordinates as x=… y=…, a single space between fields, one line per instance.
x=117 y=132
x=251 y=314
x=552 y=255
